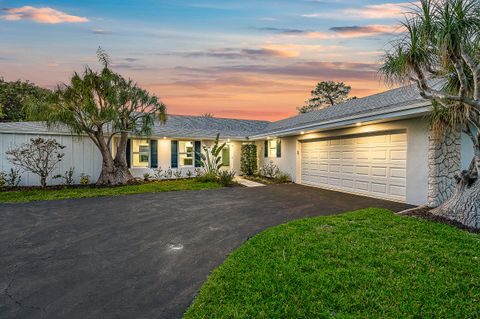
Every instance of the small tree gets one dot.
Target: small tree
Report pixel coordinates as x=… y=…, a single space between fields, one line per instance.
x=248 y=160
x=39 y=157
x=210 y=158
x=326 y=94
x=102 y=104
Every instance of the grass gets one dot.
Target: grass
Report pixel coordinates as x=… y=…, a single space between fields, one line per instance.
x=365 y=264
x=153 y=187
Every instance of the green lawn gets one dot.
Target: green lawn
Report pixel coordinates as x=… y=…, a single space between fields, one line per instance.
x=49 y=194
x=365 y=264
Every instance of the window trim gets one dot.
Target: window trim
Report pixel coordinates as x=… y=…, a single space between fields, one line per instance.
x=180 y=164
x=133 y=153
x=272 y=151
x=227 y=146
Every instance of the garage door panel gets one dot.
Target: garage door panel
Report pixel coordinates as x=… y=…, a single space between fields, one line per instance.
x=372 y=165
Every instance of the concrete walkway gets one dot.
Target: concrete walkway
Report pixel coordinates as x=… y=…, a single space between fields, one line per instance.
x=139 y=256
x=247 y=183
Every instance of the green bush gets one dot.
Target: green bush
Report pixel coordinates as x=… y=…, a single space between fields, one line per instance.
x=207 y=178
x=269 y=170
x=226 y=178
x=2 y=179
x=248 y=159
x=283 y=178
x=84 y=179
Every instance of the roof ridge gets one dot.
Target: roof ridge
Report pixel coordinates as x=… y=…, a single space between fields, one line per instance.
x=218 y=118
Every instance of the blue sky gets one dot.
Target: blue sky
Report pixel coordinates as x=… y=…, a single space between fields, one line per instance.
x=247 y=59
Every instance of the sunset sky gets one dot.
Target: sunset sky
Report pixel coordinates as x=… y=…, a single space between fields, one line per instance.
x=252 y=59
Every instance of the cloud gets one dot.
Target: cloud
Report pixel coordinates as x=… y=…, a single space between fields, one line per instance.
x=314 y=70
x=40 y=15
x=101 y=31
x=246 y=53
x=280 y=30
x=372 y=11
x=345 y=32
x=349 y=32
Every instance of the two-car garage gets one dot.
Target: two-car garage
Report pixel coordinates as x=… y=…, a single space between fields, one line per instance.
x=368 y=164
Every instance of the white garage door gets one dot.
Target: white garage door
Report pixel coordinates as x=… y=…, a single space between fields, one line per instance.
x=373 y=165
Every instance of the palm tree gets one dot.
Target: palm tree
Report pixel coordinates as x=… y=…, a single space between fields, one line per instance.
x=439 y=52
x=101 y=105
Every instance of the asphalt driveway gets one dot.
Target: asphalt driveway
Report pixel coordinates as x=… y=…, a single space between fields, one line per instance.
x=138 y=256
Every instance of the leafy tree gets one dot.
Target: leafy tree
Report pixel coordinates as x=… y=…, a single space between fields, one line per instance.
x=14 y=97
x=440 y=53
x=326 y=94
x=103 y=104
x=39 y=157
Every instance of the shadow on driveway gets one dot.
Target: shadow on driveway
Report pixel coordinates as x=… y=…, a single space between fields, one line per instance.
x=139 y=256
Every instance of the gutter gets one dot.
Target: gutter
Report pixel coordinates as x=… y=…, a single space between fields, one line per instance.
x=393 y=114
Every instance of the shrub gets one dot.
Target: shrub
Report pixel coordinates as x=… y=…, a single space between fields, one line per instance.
x=269 y=170
x=283 y=178
x=248 y=159
x=226 y=178
x=147 y=177
x=158 y=173
x=39 y=157
x=210 y=158
x=198 y=172
x=177 y=174
x=207 y=178
x=2 y=179
x=168 y=174
x=84 y=179
x=13 y=178
x=67 y=177
x=189 y=174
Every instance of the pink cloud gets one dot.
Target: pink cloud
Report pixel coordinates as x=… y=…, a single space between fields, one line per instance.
x=373 y=11
x=40 y=15
x=355 y=32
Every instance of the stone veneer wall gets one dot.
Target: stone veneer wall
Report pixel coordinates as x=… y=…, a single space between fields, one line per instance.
x=444 y=161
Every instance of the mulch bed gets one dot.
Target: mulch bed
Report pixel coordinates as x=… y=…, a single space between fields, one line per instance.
x=423 y=212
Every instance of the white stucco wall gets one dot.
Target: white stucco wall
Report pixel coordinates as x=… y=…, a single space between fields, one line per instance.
x=417 y=150
x=80 y=153
x=165 y=153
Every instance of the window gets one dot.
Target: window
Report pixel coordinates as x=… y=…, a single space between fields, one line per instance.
x=272 y=148
x=226 y=156
x=186 y=153
x=140 y=153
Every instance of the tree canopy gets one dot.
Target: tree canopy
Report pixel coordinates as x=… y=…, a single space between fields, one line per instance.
x=326 y=94
x=440 y=53
x=102 y=104
x=14 y=97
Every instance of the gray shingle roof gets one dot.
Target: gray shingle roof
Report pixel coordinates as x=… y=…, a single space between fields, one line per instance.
x=177 y=126
x=198 y=126
x=392 y=99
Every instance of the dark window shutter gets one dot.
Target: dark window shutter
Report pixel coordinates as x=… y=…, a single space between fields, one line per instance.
x=266 y=148
x=174 y=154
x=154 y=153
x=198 y=151
x=279 y=148
x=128 y=153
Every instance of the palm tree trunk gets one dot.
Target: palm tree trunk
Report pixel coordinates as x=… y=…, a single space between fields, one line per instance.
x=111 y=173
x=464 y=204
x=120 y=161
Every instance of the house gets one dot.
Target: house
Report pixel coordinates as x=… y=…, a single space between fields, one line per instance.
x=378 y=146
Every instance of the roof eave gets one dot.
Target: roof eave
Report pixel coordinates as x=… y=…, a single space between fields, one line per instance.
x=413 y=110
